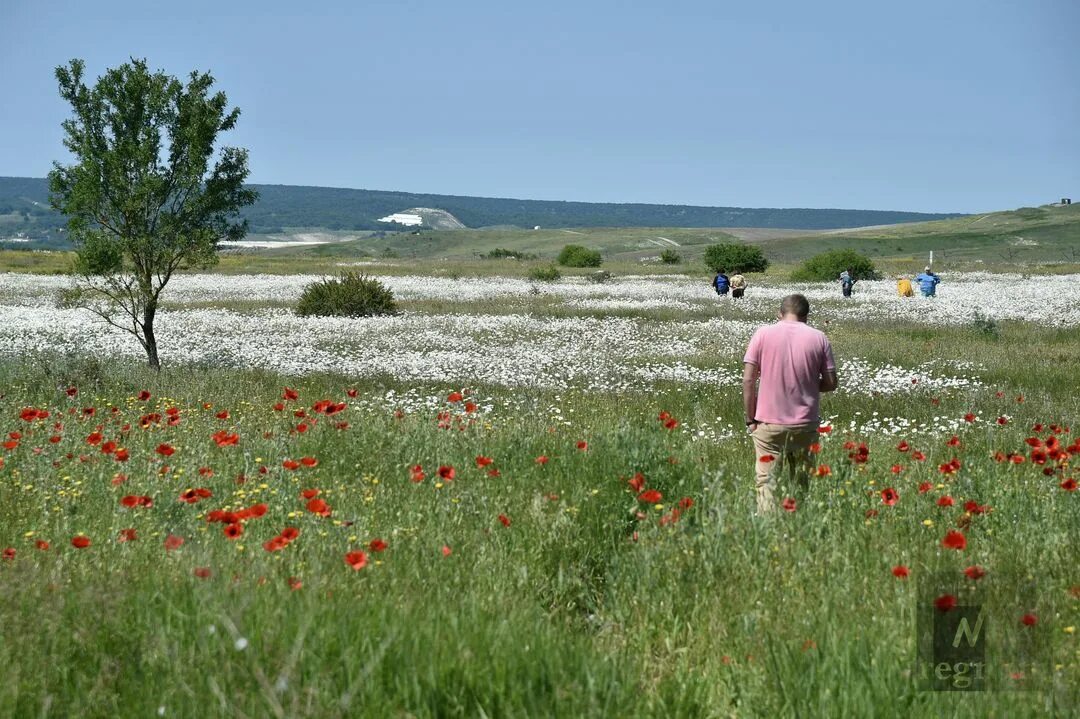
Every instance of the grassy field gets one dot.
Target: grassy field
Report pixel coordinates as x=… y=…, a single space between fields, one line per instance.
x=505 y=559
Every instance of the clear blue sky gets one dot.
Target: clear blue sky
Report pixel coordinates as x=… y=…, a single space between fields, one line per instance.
x=941 y=105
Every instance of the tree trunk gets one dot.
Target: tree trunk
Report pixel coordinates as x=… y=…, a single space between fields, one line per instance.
x=149 y=340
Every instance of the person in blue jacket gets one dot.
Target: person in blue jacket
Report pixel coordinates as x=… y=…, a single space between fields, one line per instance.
x=721 y=283
x=928 y=282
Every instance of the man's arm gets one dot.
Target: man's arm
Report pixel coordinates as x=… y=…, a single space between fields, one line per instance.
x=828 y=382
x=749 y=391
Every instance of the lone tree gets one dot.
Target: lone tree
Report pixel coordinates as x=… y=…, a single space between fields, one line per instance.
x=142 y=199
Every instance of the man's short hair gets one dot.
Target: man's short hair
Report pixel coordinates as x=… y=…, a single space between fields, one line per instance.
x=796 y=305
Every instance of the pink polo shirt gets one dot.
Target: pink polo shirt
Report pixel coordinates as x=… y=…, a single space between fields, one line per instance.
x=792 y=358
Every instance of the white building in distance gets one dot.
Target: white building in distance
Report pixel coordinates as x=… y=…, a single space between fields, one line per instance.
x=403 y=218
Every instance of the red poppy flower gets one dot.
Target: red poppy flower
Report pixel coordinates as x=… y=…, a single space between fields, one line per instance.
x=173 y=542
x=582 y=445
x=954 y=540
x=121 y=455
x=671 y=423
x=651 y=496
x=377 y=545
x=42 y=545
x=823 y=470
x=352 y=392
x=80 y=542
x=1069 y=485
x=975 y=572
x=815 y=447
x=454 y=397
x=165 y=450
x=309 y=493
x=789 y=504
x=9 y=553
x=954 y=441
x=290 y=464
x=309 y=461
x=925 y=487
x=975 y=508
x=446 y=551
x=824 y=429
x=290 y=533
x=969 y=417
x=1002 y=421
x=504 y=520
x=637 y=482
x=482 y=461
x=357 y=560
x=1029 y=620
x=446 y=472
x=542 y=459
x=201 y=572
x=945 y=501
x=225 y=439
x=900 y=571
x=275 y=544
x=766 y=458
x=889 y=496
x=918 y=456
x=686 y=503
x=417 y=473
x=290 y=394
x=319 y=507
x=94 y=438
x=144 y=395
x=234 y=530
x=896 y=468
x=945 y=603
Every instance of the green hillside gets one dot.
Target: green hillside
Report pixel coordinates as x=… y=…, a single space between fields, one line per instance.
x=1024 y=236
x=24 y=208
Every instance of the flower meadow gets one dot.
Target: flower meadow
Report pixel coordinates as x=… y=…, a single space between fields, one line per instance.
x=365 y=518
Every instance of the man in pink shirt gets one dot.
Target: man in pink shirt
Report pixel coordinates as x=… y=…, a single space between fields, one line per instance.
x=786 y=368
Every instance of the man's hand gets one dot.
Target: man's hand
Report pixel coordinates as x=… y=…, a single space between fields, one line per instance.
x=752 y=427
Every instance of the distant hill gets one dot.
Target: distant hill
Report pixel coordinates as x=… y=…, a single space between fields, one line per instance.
x=24 y=209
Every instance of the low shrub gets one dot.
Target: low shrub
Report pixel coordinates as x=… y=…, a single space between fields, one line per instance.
x=549 y=273
x=828 y=266
x=349 y=295
x=670 y=257
x=735 y=258
x=578 y=256
x=500 y=253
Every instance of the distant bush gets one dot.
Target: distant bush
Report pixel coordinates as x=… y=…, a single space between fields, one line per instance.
x=735 y=258
x=599 y=277
x=985 y=325
x=828 y=266
x=670 y=257
x=578 y=256
x=502 y=254
x=350 y=295
x=549 y=273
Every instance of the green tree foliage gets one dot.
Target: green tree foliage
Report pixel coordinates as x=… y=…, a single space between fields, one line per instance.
x=578 y=256
x=828 y=266
x=145 y=196
x=350 y=295
x=733 y=257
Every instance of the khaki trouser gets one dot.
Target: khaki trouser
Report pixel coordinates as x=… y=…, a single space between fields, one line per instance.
x=789 y=446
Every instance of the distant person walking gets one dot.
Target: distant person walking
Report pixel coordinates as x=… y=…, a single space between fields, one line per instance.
x=721 y=283
x=786 y=368
x=847 y=282
x=903 y=287
x=928 y=282
x=738 y=286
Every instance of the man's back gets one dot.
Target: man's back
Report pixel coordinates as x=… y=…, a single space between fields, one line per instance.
x=792 y=358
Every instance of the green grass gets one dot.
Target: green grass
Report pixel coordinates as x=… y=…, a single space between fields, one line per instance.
x=581 y=607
